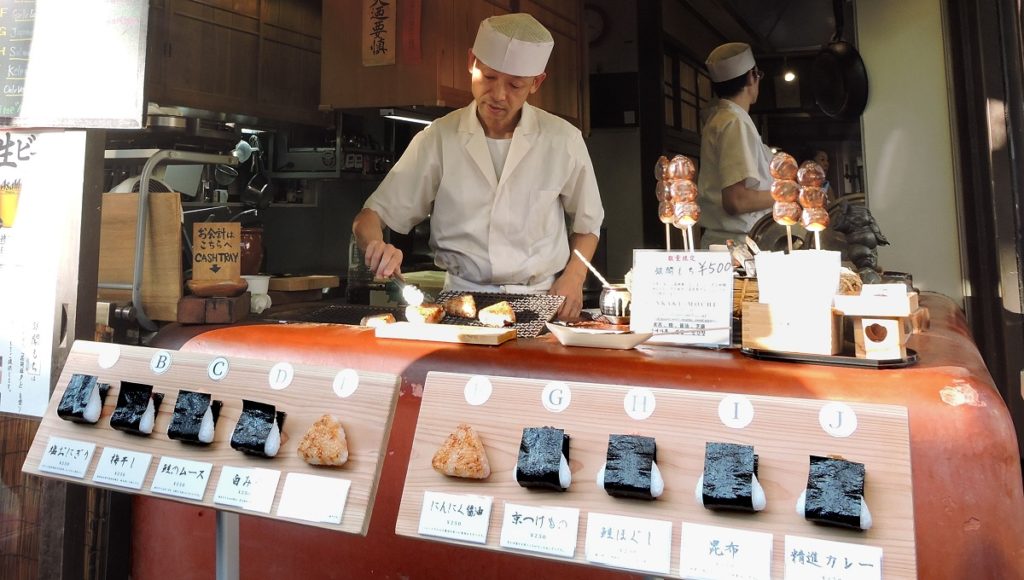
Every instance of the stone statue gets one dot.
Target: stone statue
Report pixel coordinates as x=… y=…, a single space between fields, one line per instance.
x=862 y=238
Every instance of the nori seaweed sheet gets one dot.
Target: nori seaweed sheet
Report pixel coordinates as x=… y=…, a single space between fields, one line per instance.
x=834 y=491
x=131 y=406
x=253 y=427
x=628 y=471
x=540 y=454
x=188 y=416
x=76 y=397
x=728 y=476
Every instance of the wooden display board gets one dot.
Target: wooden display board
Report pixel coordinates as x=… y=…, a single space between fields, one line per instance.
x=365 y=413
x=783 y=431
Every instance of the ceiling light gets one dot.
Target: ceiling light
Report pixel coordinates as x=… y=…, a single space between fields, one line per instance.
x=407 y=116
x=789 y=76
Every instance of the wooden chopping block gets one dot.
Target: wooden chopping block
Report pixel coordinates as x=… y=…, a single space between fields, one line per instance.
x=216 y=310
x=296 y=283
x=446 y=333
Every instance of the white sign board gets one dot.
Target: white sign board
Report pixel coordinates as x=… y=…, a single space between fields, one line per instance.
x=683 y=297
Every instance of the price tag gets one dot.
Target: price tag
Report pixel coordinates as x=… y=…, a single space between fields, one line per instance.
x=683 y=297
x=66 y=457
x=122 y=468
x=181 y=478
x=249 y=488
x=714 y=552
x=813 y=559
x=548 y=530
x=457 y=517
x=633 y=543
x=313 y=498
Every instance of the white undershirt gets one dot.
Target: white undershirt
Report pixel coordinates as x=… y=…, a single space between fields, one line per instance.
x=499 y=152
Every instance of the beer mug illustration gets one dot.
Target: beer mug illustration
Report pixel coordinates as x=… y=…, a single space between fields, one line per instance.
x=10 y=191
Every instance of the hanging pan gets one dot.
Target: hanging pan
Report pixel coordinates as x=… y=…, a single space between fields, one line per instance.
x=839 y=79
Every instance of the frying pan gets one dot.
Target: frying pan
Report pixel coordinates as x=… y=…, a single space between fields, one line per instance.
x=838 y=76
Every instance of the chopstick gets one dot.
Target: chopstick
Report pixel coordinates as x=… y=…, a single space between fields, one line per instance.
x=591 y=267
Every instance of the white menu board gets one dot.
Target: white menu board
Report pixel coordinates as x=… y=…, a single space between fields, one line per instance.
x=683 y=297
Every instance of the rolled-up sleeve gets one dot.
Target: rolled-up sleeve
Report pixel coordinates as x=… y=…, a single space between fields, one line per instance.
x=407 y=193
x=581 y=197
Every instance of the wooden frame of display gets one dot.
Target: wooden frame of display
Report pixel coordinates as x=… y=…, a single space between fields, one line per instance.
x=366 y=416
x=784 y=432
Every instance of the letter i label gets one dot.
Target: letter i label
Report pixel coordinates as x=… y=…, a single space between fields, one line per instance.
x=478 y=390
x=736 y=411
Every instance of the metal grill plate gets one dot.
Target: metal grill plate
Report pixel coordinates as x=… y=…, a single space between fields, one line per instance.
x=532 y=310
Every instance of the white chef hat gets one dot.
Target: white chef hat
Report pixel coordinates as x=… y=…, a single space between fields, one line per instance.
x=515 y=44
x=729 y=61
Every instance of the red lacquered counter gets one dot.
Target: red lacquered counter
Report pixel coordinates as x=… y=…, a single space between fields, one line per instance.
x=968 y=495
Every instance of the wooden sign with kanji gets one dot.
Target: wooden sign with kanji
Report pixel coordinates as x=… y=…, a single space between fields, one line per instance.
x=216 y=251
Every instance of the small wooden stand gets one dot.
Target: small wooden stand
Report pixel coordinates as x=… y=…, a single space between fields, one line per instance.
x=792 y=329
x=783 y=431
x=366 y=415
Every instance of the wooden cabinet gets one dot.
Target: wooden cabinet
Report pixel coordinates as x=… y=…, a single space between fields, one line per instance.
x=432 y=44
x=250 y=57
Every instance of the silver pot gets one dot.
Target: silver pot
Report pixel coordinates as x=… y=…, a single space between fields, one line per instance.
x=616 y=303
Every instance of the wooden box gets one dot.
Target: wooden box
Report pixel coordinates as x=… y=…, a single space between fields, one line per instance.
x=791 y=328
x=881 y=337
x=161 y=266
x=215 y=310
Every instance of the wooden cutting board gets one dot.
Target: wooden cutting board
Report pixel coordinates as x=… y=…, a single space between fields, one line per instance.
x=293 y=283
x=446 y=333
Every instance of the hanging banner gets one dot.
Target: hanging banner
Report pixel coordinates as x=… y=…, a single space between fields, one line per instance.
x=378 y=40
x=40 y=210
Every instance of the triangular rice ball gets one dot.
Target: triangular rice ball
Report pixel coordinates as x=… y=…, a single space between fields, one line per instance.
x=462 y=455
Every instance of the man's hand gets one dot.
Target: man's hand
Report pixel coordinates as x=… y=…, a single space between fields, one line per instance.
x=383 y=259
x=570 y=286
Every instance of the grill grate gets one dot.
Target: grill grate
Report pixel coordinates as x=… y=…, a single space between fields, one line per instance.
x=532 y=310
x=342 y=313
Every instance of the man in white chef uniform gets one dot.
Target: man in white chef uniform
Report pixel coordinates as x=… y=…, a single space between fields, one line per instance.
x=733 y=182
x=497 y=179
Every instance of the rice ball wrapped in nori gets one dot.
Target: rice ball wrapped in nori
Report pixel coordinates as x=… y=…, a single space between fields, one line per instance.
x=835 y=494
x=258 y=431
x=83 y=399
x=544 y=459
x=195 y=418
x=730 y=480
x=136 y=409
x=631 y=469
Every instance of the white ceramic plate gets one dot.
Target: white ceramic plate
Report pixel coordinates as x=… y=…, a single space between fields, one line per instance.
x=594 y=338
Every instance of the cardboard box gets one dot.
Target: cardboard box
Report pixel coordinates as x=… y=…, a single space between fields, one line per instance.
x=789 y=328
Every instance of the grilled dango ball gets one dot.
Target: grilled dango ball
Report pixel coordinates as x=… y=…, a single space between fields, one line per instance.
x=666 y=213
x=685 y=214
x=664 y=190
x=783 y=166
x=786 y=213
x=661 y=168
x=811 y=197
x=785 y=190
x=682 y=167
x=810 y=174
x=683 y=191
x=814 y=219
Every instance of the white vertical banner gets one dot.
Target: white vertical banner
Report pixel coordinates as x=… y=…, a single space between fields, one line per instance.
x=41 y=180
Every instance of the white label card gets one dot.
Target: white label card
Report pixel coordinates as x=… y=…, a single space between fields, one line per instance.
x=715 y=552
x=181 y=478
x=122 y=468
x=66 y=457
x=548 y=530
x=249 y=488
x=813 y=559
x=313 y=498
x=632 y=543
x=454 y=516
x=683 y=297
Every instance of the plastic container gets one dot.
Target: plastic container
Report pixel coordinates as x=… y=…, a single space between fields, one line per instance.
x=258 y=284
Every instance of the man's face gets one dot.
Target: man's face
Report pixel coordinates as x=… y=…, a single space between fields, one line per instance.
x=821 y=158
x=499 y=97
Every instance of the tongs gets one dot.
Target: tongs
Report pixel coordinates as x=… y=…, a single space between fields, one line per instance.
x=400 y=290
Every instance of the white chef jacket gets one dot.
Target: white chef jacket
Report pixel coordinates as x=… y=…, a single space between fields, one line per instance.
x=730 y=151
x=505 y=234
